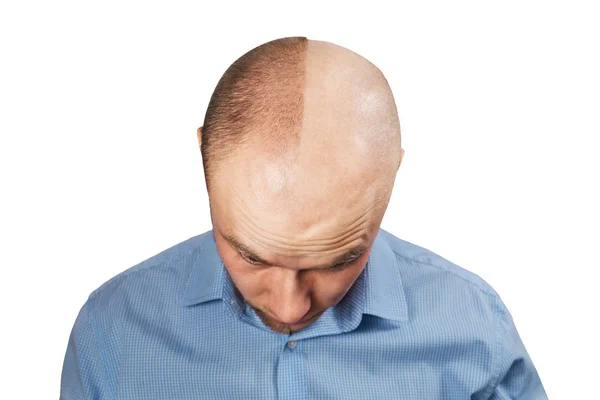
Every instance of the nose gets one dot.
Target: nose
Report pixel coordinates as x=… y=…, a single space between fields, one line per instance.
x=291 y=300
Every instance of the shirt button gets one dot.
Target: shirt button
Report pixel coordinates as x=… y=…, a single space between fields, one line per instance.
x=292 y=344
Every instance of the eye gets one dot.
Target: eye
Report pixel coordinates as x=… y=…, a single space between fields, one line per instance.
x=250 y=260
x=341 y=266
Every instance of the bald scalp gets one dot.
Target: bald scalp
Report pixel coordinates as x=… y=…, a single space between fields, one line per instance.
x=292 y=100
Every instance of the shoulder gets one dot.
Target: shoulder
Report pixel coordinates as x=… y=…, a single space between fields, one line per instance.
x=437 y=287
x=424 y=262
x=162 y=269
x=440 y=293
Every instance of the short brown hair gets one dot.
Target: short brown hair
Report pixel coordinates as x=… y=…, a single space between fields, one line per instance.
x=261 y=92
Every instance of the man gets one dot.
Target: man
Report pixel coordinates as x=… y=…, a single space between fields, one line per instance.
x=296 y=292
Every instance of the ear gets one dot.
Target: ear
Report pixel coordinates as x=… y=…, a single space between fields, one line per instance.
x=199 y=134
x=401 y=157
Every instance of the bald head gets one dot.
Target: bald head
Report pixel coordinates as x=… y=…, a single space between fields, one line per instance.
x=292 y=94
x=300 y=145
x=349 y=108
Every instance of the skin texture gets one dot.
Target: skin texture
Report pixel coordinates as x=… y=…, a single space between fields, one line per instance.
x=301 y=209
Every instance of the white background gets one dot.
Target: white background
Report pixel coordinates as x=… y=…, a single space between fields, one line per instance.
x=100 y=166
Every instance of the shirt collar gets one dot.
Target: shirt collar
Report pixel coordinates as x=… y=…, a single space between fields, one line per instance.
x=384 y=292
x=381 y=291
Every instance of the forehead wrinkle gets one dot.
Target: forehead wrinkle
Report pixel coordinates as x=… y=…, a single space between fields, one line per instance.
x=349 y=255
x=281 y=248
x=280 y=245
x=267 y=239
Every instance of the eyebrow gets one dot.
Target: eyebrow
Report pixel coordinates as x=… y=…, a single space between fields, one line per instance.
x=349 y=256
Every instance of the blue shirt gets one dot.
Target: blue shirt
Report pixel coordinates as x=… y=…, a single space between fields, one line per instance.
x=412 y=326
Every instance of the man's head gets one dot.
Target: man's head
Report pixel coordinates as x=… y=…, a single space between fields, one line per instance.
x=300 y=146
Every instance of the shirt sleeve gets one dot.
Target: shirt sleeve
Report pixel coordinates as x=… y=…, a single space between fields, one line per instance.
x=517 y=377
x=83 y=375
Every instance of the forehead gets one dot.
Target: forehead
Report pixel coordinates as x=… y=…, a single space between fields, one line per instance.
x=279 y=197
x=301 y=238
x=315 y=260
